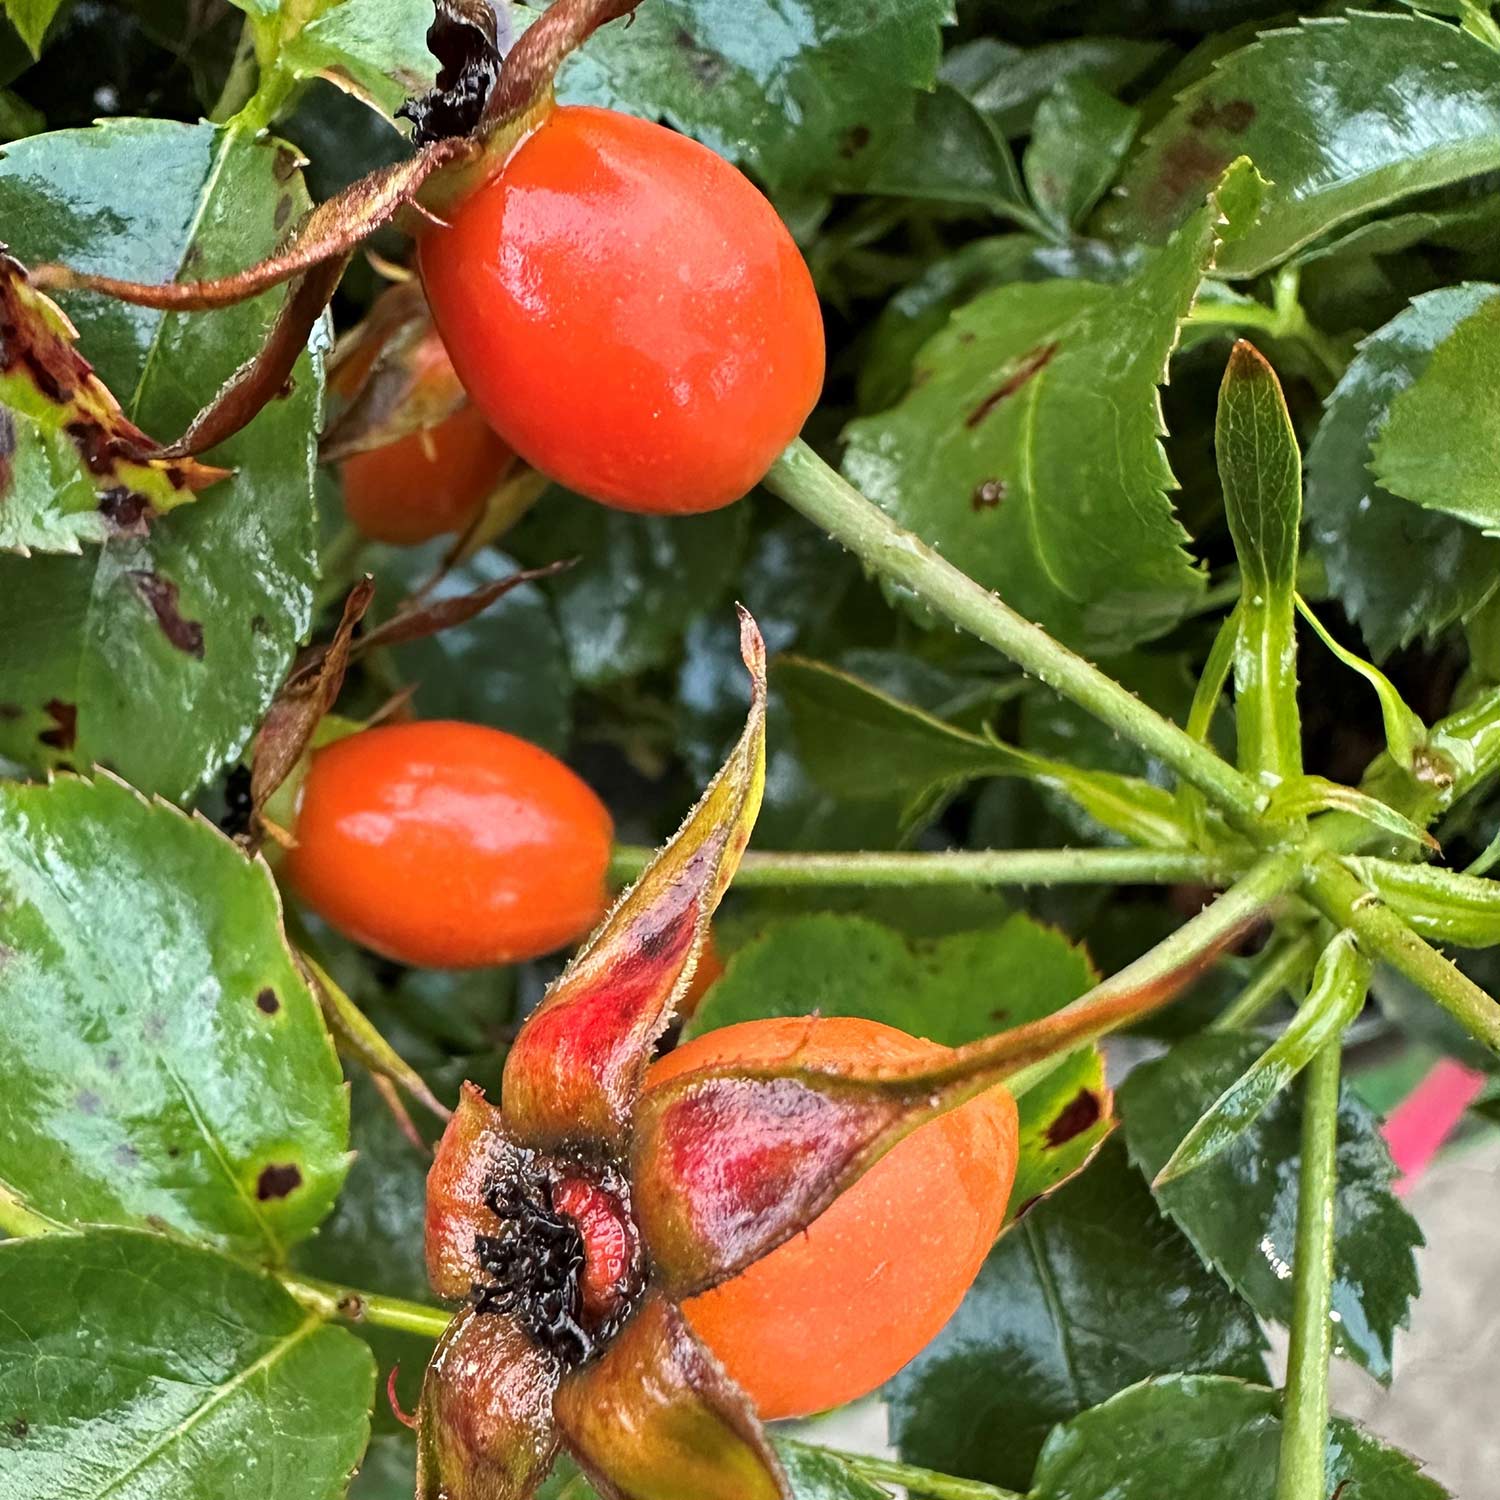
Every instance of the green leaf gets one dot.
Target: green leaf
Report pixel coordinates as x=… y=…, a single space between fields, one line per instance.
x=506 y=667
x=373 y=49
x=1441 y=441
x=638 y=580
x=1366 y=536
x=1088 y=1293
x=165 y=1063
x=1260 y=468
x=1009 y=82
x=1240 y=1211
x=817 y=1474
x=952 y=990
x=1079 y=138
x=32 y=18
x=1301 y=795
x=159 y=655
x=997 y=458
x=813 y=93
x=1444 y=905
x=1341 y=115
x=133 y=1365
x=1207 y=1435
x=859 y=742
x=1340 y=982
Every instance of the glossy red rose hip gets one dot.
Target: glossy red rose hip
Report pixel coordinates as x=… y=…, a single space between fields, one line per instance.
x=450 y=845
x=629 y=313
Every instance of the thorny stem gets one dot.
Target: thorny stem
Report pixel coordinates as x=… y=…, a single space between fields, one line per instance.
x=924 y=1482
x=1345 y=899
x=806 y=483
x=1304 y=1431
x=1277 y=973
x=352 y=1305
x=775 y=870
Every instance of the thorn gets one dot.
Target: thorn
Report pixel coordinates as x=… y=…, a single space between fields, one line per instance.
x=403 y=1417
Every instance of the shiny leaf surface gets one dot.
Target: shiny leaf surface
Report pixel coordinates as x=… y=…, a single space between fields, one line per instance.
x=983 y=458
x=1092 y=1291
x=954 y=990
x=1365 y=535
x=1078 y=139
x=1205 y=1435
x=655 y=1417
x=813 y=93
x=165 y=1061
x=132 y=1365
x=158 y=655
x=577 y=1065
x=1341 y=114
x=1241 y=1209
x=1440 y=447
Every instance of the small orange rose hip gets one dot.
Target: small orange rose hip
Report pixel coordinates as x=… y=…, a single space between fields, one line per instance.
x=449 y=845
x=835 y=1311
x=629 y=312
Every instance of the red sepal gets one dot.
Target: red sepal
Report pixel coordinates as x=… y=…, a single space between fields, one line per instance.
x=456 y=1211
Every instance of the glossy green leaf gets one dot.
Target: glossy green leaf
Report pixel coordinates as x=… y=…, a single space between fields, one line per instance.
x=860 y=742
x=637 y=582
x=1444 y=905
x=1366 y=536
x=31 y=18
x=1340 y=981
x=1088 y=1293
x=1008 y=82
x=1240 y=1210
x=1208 y=694
x=816 y=1474
x=373 y=49
x=1303 y=795
x=506 y=667
x=1341 y=114
x=812 y=93
x=997 y=455
x=1207 y=1435
x=134 y=1366
x=159 y=655
x=1440 y=446
x=952 y=990
x=165 y=1063
x=1405 y=733
x=1078 y=140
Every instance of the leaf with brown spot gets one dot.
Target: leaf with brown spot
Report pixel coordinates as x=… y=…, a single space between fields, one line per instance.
x=307 y=695
x=73 y=467
x=162 y=594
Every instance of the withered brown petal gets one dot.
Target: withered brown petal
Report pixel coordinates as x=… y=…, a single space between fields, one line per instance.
x=573 y=1074
x=727 y=1163
x=456 y=1211
x=656 y=1418
x=484 y=1426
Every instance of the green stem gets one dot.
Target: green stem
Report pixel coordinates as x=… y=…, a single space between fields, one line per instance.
x=1286 y=319
x=1304 y=1431
x=239 y=85
x=352 y=1305
x=339 y=566
x=917 y=1481
x=1166 y=969
x=775 y=870
x=1346 y=900
x=806 y=483
x=1277 y=974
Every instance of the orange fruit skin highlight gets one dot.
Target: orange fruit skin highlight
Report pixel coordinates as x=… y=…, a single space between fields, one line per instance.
x=836 y=1311
x=425 y=484
x=630 y=314
x=450 y=845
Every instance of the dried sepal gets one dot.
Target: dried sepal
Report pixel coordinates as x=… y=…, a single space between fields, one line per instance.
x=465 y=38
x=484 y=1426
x=577 y=1066
x=655 y=1417
x=391 y=375
x=730 y=1161
x=44 y=378
x=457 y=1182
x=305 y=697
